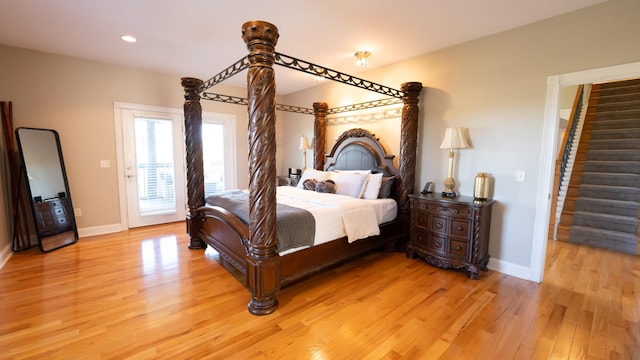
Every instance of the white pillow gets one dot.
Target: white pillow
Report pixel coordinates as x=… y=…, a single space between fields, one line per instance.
x=350 y=184
x=312 y=174
x=354 y=171
x=371 y=190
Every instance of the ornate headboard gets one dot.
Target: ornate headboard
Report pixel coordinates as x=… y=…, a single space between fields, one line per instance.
x=358 y=149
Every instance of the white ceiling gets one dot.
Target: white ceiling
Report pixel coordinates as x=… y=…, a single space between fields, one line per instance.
x=199 y=38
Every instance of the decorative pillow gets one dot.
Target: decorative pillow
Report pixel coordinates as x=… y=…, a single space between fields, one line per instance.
x=386 y=186
x=350 y=184
x=310 y=184
x=372 y=189
x=326 y=186
x=312 y=174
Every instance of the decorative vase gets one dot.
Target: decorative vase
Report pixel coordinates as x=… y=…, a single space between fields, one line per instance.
x=481 y=187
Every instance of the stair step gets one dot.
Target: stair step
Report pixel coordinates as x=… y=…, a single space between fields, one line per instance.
x=614 y=144
x=621 y=122
x=622 y=133
x=619 y=87
x=612 y=104
x=607 y=192
x=562 y=232
x=623 y=90
x=607 y=239
x=626 y=208
x=620 y=167
x=623 y=224
x=620 y=97
x=612 y=155
x=626 y=114
x=611 y=179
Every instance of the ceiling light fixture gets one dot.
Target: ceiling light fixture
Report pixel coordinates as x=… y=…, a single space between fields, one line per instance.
x=128 y=38
x=361 y=57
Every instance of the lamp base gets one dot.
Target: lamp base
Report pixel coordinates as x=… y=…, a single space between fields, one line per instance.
x=447 y=194
x=449 y=184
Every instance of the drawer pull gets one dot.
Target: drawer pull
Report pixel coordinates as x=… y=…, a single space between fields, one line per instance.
x=458 y=247
x=460 y=228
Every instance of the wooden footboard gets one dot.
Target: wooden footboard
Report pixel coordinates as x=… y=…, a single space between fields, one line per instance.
x=303 y=263
x=226 y=233
x=229 y=236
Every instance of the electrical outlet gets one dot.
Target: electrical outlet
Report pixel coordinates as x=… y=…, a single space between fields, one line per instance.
x=105 y=163
x=77 y=211
x=520 y=176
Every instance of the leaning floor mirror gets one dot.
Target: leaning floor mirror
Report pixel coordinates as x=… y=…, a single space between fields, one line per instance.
x=43 y=169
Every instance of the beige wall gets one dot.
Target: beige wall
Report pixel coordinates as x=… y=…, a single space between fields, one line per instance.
x=494 y=86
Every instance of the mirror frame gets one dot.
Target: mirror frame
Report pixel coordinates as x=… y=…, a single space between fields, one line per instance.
x=68 y=210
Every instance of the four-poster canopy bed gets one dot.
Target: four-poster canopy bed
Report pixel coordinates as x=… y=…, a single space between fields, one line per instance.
x=251 y=245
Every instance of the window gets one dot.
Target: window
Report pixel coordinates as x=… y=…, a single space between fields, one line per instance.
x=219 y=152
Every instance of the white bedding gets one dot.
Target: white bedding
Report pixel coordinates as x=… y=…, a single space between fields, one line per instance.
x=337 y=216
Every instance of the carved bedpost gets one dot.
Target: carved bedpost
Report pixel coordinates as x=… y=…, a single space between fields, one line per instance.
x=263 y=264
x=319 y=134
x=195 y=172
x=408 y=143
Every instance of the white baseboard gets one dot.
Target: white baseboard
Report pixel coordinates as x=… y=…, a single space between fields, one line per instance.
x=5 y=254
x=511 y=269
x=99 y=230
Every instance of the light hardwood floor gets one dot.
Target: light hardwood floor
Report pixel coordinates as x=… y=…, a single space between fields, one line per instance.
x=142 y=294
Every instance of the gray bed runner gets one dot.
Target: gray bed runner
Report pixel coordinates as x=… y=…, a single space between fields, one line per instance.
x=295 y=227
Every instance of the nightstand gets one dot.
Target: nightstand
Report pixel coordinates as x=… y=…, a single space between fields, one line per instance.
x=451 y=233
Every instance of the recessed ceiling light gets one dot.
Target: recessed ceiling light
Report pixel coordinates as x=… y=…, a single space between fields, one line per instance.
x=128 y=38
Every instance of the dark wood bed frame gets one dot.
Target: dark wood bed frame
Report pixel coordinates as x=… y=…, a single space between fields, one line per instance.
x=252 y=248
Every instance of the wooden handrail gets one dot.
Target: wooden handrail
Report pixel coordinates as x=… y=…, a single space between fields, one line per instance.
x=565 y=136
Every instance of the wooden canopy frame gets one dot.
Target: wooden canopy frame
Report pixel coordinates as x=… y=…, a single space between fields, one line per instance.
x=263 y=264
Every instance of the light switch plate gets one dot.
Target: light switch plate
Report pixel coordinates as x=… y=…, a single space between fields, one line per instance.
x=520 y=176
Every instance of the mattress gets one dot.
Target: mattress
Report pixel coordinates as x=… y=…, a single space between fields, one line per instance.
x=329 y=215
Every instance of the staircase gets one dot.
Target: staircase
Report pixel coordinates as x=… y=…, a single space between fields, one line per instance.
x=564 y=165
x=603 y=200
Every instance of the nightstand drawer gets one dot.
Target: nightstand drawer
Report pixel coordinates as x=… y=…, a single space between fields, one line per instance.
x=438 y=224
x=458 y=248
x=449 y=210
x=431 y=243
x=436 y=244
x=420 y=205
x=460 y=228
x=422 y=220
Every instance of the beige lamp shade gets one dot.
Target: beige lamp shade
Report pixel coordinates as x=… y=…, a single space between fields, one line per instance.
x=304 y=143
x=454 y=139
x=304 y=146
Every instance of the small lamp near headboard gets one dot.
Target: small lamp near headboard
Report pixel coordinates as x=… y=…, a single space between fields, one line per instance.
x=304 y=146
x=453 y=139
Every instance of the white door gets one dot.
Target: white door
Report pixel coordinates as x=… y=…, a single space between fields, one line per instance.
x=154 y=158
